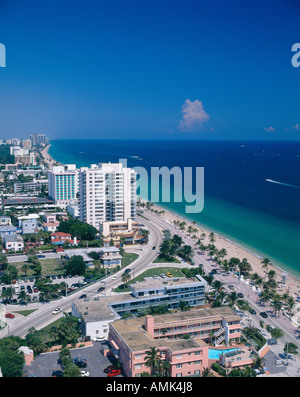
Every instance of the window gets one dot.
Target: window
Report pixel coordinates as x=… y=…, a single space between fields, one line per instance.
x=178 y=365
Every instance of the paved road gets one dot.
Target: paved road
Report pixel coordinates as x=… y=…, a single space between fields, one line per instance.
x=43 y=315
x=290 y=332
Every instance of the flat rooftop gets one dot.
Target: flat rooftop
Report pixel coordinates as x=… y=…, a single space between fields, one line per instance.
x=201 y=314
x=150 y=282
x=137 y=338
x=27 y=201
x=98 y=310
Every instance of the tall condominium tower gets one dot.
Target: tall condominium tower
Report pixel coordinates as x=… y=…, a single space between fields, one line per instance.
x=63 y=184
x=107 y=192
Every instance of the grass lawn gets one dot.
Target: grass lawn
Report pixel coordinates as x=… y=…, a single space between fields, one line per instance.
x=25 y=312
x=176 y=272
x=49 y=267
x=128 y=258
x=162 y=259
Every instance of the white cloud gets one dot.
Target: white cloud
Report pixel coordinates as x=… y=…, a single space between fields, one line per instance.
x=193 y=117
x=270 y=129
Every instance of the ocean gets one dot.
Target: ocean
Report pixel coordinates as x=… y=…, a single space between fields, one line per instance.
x=251 y=189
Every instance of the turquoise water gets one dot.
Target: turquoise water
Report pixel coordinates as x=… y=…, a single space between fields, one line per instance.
x=239 y=201
x=214 y=354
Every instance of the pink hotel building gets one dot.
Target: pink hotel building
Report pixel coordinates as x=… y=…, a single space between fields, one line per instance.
x=131 y=338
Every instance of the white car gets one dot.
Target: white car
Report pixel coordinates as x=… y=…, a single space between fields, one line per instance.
x=85 y=373
x=57 y=310
x=114 y=277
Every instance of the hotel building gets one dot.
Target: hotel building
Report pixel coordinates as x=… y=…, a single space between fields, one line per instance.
x=182 y=338
x=149 y=293
x=63 y=184
x=107 y=192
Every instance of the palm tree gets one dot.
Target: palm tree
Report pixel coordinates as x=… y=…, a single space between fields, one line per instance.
x=153 y=360
x=186 y=252
x=265 y=265
x=23 y=296
x=165 y=368
x=177 y=241
x=272 y=275
x=277 y=305
x=125 y=278
x=232 y=299
x=184 y=306
x=217 y=285
x=222 y=253
x=244 y=266
x=211 y=237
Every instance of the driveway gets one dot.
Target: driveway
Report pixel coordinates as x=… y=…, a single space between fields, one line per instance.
x=46 y=363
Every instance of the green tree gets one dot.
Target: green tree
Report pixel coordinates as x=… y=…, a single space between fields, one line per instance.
x=153 y=360
x=76 y=266
x=290 y=348
x=183 y=306
x=125 y=278
x=72 y=371
x=11 y=361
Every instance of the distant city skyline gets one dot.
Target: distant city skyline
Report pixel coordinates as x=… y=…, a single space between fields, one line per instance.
x=161 y=70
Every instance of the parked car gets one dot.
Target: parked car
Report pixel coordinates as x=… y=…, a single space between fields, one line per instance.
x=57 y=310
x=83 y=296
x=169 y=274
x=84 y=373
x=80 y=364
x=114 y=372
x=230 y=286
x=263 y=314
x=57 y=374
x=272 y=341
x=9 y=315
x=109 y=368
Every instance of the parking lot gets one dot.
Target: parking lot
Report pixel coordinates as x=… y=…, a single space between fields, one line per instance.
x=46 y=363
x=24 y=284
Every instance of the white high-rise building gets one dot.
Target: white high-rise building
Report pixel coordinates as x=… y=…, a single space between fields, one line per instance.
x=63 y=184
x=107 y=192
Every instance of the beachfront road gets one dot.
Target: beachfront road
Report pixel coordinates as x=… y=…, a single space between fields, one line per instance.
x=43 y=316
x=290 y=333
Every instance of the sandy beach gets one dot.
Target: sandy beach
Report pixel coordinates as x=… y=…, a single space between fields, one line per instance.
x=47 y=158
x=234 y=250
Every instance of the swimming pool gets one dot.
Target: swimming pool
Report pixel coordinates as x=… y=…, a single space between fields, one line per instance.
x=214 y=354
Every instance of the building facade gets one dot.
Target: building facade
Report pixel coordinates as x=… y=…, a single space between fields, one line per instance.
x=177 y=337
x=107 y=192
x=62 y=184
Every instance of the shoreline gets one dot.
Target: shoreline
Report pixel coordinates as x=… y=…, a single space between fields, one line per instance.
x=233 y=248
x=47 y=158
x=292 y=285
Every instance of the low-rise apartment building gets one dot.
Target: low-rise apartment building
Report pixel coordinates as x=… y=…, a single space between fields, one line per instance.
x=182 y=338
x=13 y=242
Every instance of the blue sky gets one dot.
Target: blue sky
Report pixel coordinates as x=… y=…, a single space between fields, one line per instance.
x=150 y=69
